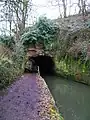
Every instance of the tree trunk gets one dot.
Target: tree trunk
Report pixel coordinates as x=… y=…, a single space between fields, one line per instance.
x=82 y=7
x=64 y=8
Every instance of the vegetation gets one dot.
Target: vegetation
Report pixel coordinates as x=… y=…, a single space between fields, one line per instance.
x=7 y=41
x=73 y=60
x=11 y=65
x=74 y=69
x=44 y=31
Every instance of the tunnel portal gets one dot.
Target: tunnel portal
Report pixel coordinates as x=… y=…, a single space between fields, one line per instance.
x=45 y=63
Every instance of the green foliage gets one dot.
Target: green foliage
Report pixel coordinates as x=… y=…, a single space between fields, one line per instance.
x=11 y=67
x=77 y=69
x=6 y=71
x=7 y=41
x=44 y=31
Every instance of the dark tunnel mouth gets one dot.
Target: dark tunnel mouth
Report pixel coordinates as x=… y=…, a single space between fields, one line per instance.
x=46 y=64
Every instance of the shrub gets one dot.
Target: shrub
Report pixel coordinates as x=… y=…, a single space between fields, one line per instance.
x=6 y=74
x=13 y=66
x=7 y=41
x=43 y=31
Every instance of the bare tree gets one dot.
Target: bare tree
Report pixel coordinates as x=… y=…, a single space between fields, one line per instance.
x=82 y=7
x=60 y=4
x=64 y=7
x=16 y=12
x=88 y=8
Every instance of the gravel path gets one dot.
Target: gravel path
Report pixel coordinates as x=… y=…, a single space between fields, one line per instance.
x=28 y=99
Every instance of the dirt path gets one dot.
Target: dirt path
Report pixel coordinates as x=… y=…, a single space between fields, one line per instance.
x=28 y=99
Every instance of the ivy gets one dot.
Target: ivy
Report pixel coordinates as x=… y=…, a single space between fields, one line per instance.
x=43 y=31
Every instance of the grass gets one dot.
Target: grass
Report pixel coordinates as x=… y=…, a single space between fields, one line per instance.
x=71 y=68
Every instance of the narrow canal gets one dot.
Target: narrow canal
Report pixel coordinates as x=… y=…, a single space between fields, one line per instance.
x=72 y=98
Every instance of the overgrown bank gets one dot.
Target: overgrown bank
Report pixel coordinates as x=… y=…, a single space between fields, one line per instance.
x=74 y=62
x=11 y=64
x=70 y=48
x=73 y=70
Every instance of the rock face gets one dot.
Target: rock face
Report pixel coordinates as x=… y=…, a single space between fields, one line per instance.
x=28 y=99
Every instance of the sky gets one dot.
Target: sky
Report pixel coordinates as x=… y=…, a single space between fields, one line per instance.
x=46 y=8
x=43 y=7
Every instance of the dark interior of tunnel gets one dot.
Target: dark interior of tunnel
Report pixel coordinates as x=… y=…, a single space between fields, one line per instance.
x=45 y=63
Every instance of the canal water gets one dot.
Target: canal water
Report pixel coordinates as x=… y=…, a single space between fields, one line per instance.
x=72 y=98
